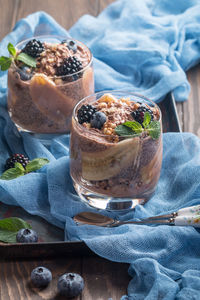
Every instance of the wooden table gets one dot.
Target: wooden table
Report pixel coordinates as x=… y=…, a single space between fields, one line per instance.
x=103 y=279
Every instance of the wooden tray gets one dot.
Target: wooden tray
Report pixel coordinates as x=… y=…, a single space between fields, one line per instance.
x=51 y=238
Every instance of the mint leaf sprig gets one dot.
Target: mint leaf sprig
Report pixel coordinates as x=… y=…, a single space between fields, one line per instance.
x=134 y=128
x=19 y=170
x=5 y=62
x=9 y=228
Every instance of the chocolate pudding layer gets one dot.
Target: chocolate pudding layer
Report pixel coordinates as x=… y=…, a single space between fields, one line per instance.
x=104 y=160
x=41 y=99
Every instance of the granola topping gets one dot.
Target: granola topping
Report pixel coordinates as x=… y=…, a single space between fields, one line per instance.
x=117 y=111
x=54 y=55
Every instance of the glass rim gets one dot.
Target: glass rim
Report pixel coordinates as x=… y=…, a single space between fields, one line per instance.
x=61 y=38
x=125 y=92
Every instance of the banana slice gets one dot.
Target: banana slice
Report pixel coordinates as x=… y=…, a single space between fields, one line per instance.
x=48 y=99
x=108 y=98
x=106 y=164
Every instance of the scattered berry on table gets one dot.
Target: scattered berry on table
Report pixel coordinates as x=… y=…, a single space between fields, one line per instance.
x=20 y=158
x=26 y=235
x=41 y=277
x=98 y=119
x=33 y=48
x=71 y=45
x=138 y=114
x=25 y=73
x=69 y=66
x=85 y=113
x=70 y=285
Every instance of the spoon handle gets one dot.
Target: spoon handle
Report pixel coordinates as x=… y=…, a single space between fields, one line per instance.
x=189 y=211
x=158 y=222
x=192 y=220
x=177 y=221
x=186 y=211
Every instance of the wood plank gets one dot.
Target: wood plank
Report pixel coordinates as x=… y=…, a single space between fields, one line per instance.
x=179 y=107
x=65 y=12
x=15 y=278
x=104 y=279
x=104 y=3
x=191 y=108
x=8 y=16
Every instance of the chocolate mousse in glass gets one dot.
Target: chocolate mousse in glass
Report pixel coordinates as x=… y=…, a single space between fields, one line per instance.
x=41 y=99
x=116 y=149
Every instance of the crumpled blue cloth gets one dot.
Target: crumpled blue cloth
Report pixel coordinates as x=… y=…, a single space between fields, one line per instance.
x=142 y=46
x=146 y=44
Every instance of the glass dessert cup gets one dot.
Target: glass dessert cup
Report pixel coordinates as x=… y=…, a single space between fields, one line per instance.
x=44 y=104
x=114 y=175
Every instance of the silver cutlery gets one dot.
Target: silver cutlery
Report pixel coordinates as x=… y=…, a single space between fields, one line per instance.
x=188 y=216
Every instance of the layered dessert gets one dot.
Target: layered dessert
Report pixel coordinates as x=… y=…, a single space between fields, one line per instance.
x=116 y=146
x=43 y=93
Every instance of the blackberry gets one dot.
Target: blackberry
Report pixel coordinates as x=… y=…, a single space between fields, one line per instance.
x=33 y=48
x=85 y=113
x=138 y=114
x=69 y=66
x=20 y=158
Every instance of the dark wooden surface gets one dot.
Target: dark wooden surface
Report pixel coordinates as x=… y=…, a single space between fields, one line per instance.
x=103 y=279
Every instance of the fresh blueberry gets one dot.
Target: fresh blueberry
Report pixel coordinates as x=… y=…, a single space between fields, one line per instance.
x=41 y=276
x=24 y=73
x=98 y=119
x=70 y=285
x=71 y=45
x=26 y=236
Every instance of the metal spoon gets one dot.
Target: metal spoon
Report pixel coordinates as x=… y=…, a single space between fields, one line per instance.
x=189 y=216
x=91 y=218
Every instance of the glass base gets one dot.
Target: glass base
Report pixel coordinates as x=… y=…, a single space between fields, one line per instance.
x=44 y=138
x=99 y=201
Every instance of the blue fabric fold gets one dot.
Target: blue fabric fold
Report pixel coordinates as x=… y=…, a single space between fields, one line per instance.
x=143 y=46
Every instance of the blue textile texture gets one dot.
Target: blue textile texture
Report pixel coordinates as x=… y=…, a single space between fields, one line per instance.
x=143 y=46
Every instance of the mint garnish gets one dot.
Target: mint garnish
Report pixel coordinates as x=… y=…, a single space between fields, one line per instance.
x=9 y=228
x=5 y=62
x=19 y=170
x=154 y=129
x=36 y=164
x=147 y=119
x=134 y=128
x=123 y=130
x=11 y=49
x=12 y=173
x=27 y=59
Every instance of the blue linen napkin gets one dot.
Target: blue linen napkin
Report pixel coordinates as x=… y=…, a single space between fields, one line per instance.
x=142 y=46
